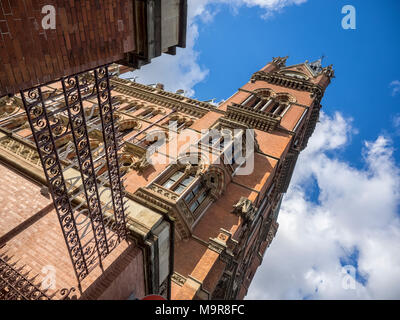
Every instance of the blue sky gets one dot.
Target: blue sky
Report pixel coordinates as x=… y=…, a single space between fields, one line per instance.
x=232 y=47
x=343 y=204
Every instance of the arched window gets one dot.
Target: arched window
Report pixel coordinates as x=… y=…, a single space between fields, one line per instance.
x=259 y=100
x=194 y=185
x=150 y=138
x=279 y=106
x=128 y=125
x=274 y=107
x=175 y=123
x=132 y=107
x=268 y=101
x=253 y=101
x=148 y=114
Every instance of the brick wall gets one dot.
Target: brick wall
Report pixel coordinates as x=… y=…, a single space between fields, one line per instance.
x=88 y=33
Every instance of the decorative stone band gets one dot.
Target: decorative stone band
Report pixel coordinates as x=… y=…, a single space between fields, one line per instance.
x=23 y=150
x=162 y=98
x=286 y=171
x=285 y=81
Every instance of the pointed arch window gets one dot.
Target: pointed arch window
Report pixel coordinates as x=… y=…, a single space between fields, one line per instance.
x=194 y=191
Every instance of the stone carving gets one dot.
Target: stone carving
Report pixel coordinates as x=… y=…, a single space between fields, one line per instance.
x=164 y=192
x=9 y=105
x=289 y=82
x=141 y=164
x=178 y=279
x=23 y=150
x=245 y=208
x=280 y=61
x=329 y=72
x=216 y=245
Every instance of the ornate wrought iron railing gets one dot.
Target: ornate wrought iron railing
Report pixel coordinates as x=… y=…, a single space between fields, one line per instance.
x=75 y=173
x=15 y=284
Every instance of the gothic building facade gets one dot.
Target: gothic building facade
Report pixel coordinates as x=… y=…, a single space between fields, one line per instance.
x=189 y=227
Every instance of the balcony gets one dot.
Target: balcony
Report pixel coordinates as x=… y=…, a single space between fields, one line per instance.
x=251 y=118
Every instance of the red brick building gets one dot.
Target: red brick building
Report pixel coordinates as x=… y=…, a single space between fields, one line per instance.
x=84 y=35
x=224 y=220
x=197 y=229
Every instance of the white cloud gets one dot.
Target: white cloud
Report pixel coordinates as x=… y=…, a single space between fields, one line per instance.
x=396 y=87
x=183 y=70
x=396 y=123
x=357 y=208
x=271 y=6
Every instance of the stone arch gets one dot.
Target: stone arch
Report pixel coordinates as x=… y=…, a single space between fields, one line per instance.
x=215 y=179
x=265 y=93
x=128 y=124
x=152 y=136
x=285 y=98
x=214 y=176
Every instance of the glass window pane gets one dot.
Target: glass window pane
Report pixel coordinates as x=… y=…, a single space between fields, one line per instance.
x=168 y=184
x=187 y=180
x=176 y=176
x=189 y=197
x=202 y=197
x=181 y=125
x=196 y=188
x=179 y=189
x=194 y=206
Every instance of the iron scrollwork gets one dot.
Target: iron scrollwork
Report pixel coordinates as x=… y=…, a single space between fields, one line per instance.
x=64 y=118
x=15 y=284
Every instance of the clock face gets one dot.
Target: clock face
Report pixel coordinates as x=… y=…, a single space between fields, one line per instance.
x=295 y=75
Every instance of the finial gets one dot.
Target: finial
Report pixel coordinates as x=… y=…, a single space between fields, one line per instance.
x=279 y=61
x=329 y=72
